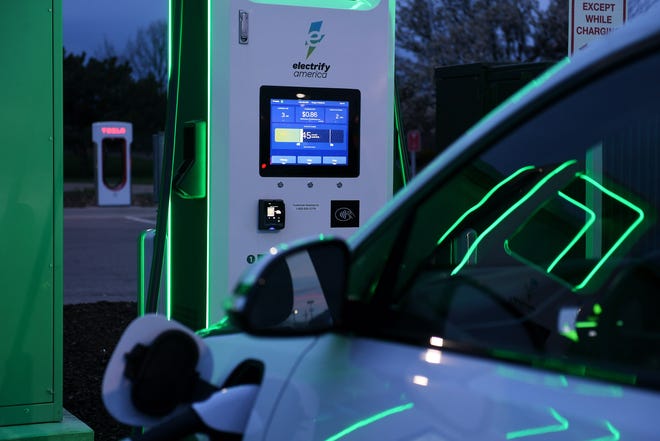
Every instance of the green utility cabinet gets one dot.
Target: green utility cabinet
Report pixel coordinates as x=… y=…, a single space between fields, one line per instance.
x=31 y=212
x=466 y=93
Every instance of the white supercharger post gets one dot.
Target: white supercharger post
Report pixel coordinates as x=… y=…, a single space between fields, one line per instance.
x=112 y=142
x=301 y=119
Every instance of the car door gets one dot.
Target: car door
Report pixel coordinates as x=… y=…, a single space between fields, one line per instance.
x=515 y=297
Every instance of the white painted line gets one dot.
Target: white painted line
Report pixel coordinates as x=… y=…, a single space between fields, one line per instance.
x=140 y=219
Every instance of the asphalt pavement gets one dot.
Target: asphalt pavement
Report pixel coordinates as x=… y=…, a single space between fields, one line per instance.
x=100 y=252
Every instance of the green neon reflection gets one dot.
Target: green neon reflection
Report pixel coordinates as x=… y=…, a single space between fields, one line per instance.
x=215 y=328
x=370 y=420
x=608 y=254
x=566 y=367
x=623 y=237
x=561 y=427
x=511 y=209
x=608 y=391
x=483 y=200
x=554 y=381
x=615 y=434
x=582 y=232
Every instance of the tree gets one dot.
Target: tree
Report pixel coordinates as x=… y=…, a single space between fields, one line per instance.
x=93 y=90
x=437 y=33
x=147 y=53
x=105 y=50
x=552 y=32
x=106 y=90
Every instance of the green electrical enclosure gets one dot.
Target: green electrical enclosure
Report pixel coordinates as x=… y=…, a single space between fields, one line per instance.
x=31 y=212
x=466 y=93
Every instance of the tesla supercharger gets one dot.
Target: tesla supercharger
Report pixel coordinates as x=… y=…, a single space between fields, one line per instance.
x=112 y=143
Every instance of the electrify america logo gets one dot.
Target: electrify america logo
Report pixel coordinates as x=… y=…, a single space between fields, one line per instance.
x=306 y=69
x=314 y=37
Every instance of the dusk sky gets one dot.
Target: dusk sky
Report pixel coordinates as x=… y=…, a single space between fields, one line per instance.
x=86 y=23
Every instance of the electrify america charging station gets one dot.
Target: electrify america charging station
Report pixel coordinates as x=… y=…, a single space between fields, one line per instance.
x=301 y=125
x=292 y=138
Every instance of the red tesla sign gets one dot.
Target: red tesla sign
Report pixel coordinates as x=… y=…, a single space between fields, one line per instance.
x=414 y=141
x=113 y=130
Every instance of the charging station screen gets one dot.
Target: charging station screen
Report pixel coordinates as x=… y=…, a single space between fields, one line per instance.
x=309 y=132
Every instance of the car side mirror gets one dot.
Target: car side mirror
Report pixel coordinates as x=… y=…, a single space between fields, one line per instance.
x=296 y=290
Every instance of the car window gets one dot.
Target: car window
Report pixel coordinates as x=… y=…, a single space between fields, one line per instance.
x=545 y=244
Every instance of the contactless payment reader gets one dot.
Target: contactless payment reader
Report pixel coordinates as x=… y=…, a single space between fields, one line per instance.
x=299 y=130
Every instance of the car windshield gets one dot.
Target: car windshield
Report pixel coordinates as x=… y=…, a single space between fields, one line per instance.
x=545 y=245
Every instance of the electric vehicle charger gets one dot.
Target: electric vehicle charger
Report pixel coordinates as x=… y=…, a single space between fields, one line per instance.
x=289 y=133
x=158 y=378
x=222 y=417
x=154 y=363
x=163 y=374
x=112 y=151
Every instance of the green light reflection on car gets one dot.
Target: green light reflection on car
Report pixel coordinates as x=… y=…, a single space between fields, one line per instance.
x=616 y=434
x=628 y=232
x=561 y=427
x=582 y=232
x=223 y=324
x=589 y=222
x=565 y=366
x=370 y=420
x=510 y=210
x=483 y=200
x=553 y=381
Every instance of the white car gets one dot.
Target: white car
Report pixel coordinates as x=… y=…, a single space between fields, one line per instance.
x=511 y=291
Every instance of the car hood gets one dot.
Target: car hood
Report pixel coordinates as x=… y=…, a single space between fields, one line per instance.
x=358 y=388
